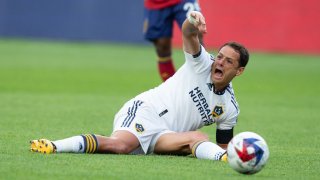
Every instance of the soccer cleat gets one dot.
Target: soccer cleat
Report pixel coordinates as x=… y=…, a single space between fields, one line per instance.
x=224 y=157
x=44 y=146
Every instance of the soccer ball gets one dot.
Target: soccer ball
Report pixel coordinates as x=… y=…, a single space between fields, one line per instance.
x=247 y=153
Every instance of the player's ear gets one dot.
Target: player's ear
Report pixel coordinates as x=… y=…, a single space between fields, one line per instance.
x=240 y=71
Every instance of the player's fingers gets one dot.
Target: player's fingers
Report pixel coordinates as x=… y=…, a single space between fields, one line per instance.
x=202 y=20
x=202 y=26
x=194 y=18
x=193 y=14
x=197 y=19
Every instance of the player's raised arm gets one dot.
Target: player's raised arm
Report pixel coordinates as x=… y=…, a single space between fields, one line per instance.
x=191 y=27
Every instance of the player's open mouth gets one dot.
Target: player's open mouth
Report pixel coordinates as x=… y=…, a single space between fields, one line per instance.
x=218 y=73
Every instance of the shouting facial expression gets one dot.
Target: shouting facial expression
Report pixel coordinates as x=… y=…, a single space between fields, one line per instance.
x=225 y=67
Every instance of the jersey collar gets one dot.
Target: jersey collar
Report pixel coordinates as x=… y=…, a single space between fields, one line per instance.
x=212 y=87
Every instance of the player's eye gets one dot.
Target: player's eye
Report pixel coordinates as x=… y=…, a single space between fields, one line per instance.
x=229 y=61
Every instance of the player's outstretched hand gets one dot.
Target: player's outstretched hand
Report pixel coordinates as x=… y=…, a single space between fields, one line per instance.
x=198 y=20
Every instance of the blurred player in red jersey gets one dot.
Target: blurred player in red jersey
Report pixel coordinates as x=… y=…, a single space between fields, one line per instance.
x=158 y=27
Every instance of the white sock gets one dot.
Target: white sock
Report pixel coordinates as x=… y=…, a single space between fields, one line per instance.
x=73 y=144
x=208 y=150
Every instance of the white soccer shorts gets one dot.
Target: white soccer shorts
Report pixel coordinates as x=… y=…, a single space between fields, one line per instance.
x=142 y=121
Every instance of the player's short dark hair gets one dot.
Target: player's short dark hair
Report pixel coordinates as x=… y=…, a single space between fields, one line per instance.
x=243 y=52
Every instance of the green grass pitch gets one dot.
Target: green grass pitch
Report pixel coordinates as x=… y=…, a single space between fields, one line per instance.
x=56 y=90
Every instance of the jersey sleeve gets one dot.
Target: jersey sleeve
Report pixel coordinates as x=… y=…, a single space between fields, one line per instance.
x=227 y=124
x=200 y=62
x=231 y=117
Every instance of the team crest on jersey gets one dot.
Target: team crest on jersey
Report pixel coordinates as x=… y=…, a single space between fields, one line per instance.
x=139 y=128
x=217 y=111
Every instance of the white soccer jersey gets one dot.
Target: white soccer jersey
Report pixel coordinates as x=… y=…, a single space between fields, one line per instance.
x=186 y=101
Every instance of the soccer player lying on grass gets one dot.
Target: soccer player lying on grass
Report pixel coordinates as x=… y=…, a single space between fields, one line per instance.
x=165 y=120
